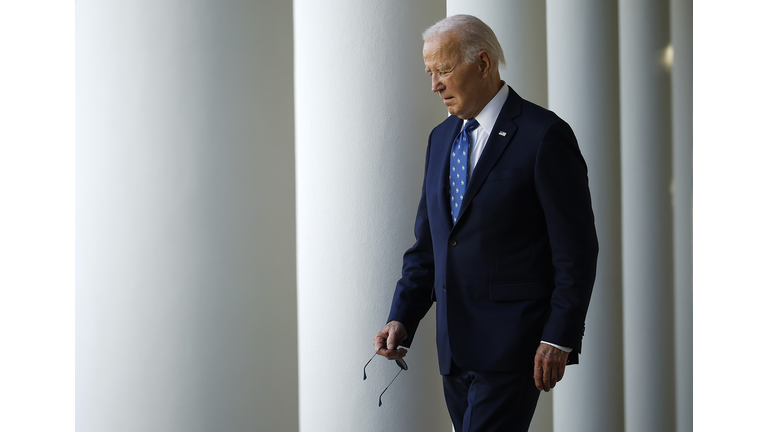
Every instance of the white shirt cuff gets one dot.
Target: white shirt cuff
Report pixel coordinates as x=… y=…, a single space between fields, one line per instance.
x=566 y=349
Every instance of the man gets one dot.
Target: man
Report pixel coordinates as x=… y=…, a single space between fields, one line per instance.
x=505 y=239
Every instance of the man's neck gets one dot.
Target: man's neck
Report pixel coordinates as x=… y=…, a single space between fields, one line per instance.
x=493 y=88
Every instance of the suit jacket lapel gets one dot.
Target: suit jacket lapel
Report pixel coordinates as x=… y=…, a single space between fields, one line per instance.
x=494 y=148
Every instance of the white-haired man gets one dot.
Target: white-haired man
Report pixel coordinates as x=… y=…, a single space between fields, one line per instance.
x=505 y=239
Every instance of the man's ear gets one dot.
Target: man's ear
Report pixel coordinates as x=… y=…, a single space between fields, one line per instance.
x=484 y=63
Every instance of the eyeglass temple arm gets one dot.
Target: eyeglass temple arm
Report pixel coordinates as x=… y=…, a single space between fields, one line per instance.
x=366 y=365
x=390 y=383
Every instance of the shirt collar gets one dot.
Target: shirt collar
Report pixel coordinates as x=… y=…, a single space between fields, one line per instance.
x=490 y=112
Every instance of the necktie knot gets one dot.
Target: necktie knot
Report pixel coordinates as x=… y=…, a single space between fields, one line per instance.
x=471 y=125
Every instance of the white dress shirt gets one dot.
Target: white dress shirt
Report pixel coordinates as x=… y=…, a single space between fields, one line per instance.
x=486 y=118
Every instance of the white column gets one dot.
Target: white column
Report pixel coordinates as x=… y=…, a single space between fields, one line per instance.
x=364 y=111
x=682 y=140
x=521 y=27
x=646 y=164
x=185 y=217
x=583 y=51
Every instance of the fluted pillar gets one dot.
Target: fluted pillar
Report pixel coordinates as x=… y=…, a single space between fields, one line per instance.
x=364 y=111
x=185 y=217
x=646 y=164
x=682 y=141
x=583 y=51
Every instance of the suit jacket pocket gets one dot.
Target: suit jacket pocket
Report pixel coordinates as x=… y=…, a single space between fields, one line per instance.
x=518 y=291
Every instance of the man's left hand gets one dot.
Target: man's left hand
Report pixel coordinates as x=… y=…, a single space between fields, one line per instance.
x=548 y=366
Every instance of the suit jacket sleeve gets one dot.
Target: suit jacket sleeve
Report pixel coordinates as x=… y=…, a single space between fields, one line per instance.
x=562 y=187
x=414 y=292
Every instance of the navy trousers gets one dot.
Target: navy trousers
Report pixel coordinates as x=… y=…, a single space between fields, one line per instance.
x=490 y=401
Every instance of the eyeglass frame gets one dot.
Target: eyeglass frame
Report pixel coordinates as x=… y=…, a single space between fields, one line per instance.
x=400 y=362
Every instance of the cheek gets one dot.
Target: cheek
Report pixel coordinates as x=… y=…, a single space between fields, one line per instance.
x=449 y=84
x=457 y=93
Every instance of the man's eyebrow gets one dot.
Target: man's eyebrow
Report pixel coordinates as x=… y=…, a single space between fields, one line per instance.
x=441 y=68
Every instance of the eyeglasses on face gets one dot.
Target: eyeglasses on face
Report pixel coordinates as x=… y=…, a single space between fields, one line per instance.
x=400 y=362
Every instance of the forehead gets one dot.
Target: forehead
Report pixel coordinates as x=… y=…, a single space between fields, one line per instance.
x=441 y=49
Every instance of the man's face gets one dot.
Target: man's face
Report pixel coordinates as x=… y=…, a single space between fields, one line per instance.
x=457 y=83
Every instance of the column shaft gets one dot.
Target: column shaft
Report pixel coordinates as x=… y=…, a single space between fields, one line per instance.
x=646 y=164
x=364 y=111
x=583 y=59
x=682 y=140
x=185 y=201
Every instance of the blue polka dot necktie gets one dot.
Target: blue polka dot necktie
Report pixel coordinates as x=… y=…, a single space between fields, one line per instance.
x=459 y=165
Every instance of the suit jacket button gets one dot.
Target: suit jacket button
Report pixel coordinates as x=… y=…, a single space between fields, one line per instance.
x=443 y=287
x=452 y=242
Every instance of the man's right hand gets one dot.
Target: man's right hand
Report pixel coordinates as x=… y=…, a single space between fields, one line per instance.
x=386 y=340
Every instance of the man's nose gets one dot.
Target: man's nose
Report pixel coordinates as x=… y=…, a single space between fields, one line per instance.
x=436 y=84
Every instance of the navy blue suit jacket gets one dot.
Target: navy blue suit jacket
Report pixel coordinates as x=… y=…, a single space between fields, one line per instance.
x=519 y=265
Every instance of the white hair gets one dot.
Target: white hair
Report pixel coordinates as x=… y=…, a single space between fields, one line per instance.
x=473 y=36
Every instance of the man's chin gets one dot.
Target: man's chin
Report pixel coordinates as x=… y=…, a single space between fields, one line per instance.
x=457 y=114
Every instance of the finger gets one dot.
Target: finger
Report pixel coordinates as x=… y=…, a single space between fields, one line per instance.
x=379 y=341
x=537 y=376
x=378 y=338
x=396 y=354
x=380 y=349
x=546 y=378
x=392 y=339
x=553 y=377
x=391 y=354
x=382 y=333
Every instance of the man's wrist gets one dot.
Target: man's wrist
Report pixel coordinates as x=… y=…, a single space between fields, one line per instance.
x=566 y=349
